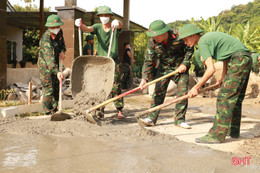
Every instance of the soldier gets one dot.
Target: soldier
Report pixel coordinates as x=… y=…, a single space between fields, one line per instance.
x=88 y=48
x=255 y=62
x=172 y=55
x=103 y=32
x=126 y=65
x=52 y=47
x=199 y=67
x=236 y=69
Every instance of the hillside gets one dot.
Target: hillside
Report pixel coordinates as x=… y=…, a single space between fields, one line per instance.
x=239 y=14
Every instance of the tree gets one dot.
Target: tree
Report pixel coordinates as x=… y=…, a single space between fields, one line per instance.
x=140 y=45
x=29 y=7
x=250 y=37
x=209 y=25
x=31 y=36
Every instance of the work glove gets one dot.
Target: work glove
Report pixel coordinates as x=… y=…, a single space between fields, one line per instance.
x=78 y=22
x=115 y=23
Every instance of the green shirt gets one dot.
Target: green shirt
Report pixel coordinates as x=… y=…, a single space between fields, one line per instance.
x=104 y=41
x=86 y=48
x=219 y=46
x=255 y=66
x=196 y=58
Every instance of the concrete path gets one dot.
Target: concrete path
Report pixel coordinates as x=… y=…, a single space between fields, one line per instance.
x=201 y=128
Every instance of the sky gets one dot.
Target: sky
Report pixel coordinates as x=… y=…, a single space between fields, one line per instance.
x=143 y=12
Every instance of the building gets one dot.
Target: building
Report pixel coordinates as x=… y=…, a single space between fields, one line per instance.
x=15 y=22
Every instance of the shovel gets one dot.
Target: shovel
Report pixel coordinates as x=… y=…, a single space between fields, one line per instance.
x=60 y=116
x=91 y=118
x=137 y=116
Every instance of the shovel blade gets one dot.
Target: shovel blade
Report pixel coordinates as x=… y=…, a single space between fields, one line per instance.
x=91 y=118
x=60 y=116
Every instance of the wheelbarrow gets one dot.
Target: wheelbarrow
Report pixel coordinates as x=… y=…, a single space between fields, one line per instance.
x=92 y=75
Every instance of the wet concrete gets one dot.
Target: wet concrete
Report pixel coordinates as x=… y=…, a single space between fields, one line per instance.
x=45 y=153
x=38 y=145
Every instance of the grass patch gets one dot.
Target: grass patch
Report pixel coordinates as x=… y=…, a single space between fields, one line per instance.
x=29 y=114
x=39 y=113
x=5 y=103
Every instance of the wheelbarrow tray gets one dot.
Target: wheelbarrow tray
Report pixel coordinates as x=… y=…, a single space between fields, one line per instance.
x=93 y=75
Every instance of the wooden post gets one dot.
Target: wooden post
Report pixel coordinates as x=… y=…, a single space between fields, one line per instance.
x=3 y=45
x=41 y=17
x=30 y=94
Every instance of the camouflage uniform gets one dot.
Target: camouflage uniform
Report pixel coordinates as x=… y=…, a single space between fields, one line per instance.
x=255 y=63
x=126 y=75
x=231 y=96
x=126 y=69
x=170 y=56
x=199 y=67
x=224 y=47
x=48 y=63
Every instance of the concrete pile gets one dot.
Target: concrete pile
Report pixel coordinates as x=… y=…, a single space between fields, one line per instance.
x=21 y=90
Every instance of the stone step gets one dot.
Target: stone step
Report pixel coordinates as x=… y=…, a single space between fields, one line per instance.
x=7 y=112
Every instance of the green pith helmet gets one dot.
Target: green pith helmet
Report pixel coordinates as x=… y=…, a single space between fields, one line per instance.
x=53 y=21
x=104 y=10
x=157 y=27
x=188 y=30
x=89 y=37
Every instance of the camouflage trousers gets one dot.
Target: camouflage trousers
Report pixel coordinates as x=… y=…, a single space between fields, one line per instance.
x=50 y=91
x=116 y=90
x=199 y=70
x=125 y=76
x=160 y=90
x=230 y=98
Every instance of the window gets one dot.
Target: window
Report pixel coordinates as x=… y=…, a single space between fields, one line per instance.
x=11 y=53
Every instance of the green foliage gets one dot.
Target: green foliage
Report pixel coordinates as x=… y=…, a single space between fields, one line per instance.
x=241 y=21
x=140 y=44
x=7 y=103
x=241 y=14
x=209 y=25
x=29 y=7
x=22 y=115
x=250 y=37
x=31 y=45
x=4 y=102
x=4 y=93
x=178 y=24
x=31 y=37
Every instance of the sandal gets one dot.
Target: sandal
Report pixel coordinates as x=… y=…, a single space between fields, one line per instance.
x=120 y=115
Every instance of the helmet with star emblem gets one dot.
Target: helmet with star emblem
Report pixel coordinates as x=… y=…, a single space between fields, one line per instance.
x=157 y=27
x=53 y=21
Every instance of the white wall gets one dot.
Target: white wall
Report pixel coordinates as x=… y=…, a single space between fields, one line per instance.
x=16 y=34
x=22 y=75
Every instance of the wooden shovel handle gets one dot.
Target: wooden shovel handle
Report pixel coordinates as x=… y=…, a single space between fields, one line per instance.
x=60 y=88
x=131 y=91
x=173 y=101
x=80 y=41
x=110 y=43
